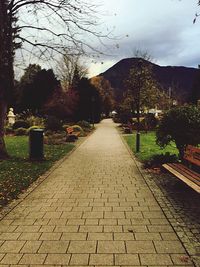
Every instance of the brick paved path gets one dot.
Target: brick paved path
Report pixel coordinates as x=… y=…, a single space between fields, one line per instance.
x=95 y=209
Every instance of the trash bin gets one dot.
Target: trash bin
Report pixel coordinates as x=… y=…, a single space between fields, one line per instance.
x=36 y=144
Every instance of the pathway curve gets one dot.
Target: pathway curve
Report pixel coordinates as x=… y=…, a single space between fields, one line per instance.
x=95 y=209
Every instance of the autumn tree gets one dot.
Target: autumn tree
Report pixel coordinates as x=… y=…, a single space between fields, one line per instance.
x=62 y=104
x=43 y=28
x=106 y=93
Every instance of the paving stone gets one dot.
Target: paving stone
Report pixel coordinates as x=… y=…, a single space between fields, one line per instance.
x=169 y=247
x=72 y=214
x=57 y=222
x=75 y=222
x=169 y=236
x=111 y=247
x=11 y=246
x=147 y=236
x=82 y=247
x=91 y=229
x=50 y=236
x=11 y=258
x=100 y=236
x=52 y=214
x=153 y=214
x=92 y=222
x=113 y=228
x=23 y=222
x=140 y=247
x=101 y=259
x=127 y=259
x=155 y=259
x=114 y=215
x=27 y=229
x=56 y=259
x=31 y=247
x=9 y=236
x=79 y=259
x=47 y=229
x=74 y=236
x=29 y=236
x=93 y=214
x=124 y=236
x=160 y=228
x=66 y=229
x=108 y=222
x=33 y=259
x=54 y=247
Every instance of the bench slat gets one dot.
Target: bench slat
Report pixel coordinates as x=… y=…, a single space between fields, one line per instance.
x=182 y=177
x=186 y=170
x=189 y=174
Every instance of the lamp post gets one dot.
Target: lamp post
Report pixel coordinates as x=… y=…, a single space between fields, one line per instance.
x=138 y=107
x=138 y=123
x=93 y=100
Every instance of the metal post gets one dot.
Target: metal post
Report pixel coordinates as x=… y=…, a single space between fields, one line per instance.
x=93 y=99
x=138 y=142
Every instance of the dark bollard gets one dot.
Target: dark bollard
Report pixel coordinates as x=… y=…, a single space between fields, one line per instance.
x=36 y=144
x=138 y=142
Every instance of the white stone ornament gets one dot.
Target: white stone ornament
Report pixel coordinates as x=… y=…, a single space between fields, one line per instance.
x=11 y=117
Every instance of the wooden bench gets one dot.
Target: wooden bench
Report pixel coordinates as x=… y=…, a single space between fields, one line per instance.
x=189 y=171
x=71 y=134
x=127 y=128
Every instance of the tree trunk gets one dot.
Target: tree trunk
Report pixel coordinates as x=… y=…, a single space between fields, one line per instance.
x=3 y=111
x=6 y=68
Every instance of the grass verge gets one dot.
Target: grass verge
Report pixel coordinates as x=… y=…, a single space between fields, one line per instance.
x=17 y=173
x=148 y=147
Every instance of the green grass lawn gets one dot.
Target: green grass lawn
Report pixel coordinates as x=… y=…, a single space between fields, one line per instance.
x=17 y=173
x=148 y=146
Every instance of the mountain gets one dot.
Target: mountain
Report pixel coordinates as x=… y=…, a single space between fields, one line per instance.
x=174 y=79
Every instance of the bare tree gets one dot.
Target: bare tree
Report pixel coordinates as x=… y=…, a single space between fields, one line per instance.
x=42 y=28
x=67 y=68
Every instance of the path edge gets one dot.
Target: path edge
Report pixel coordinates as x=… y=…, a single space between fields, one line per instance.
x=144 y=175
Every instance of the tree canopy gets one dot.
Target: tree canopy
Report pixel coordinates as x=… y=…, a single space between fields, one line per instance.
x=181 y=125
x=35 y=87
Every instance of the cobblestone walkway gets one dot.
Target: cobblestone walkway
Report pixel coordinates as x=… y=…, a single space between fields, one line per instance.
x=95 y=209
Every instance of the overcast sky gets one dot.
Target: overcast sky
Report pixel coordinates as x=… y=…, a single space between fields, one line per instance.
x=164 y=28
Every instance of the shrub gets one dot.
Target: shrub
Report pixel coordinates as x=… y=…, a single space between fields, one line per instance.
x=65 y=126
x=116 y=120
x=52 y=123
x=84 y=124
x=55 y=139
x=35 y=121
x=20 y=131
x=77 y=128
x=158 y=160
x=125 y=116
x=21 y=124
x=149 y=122
x=181 y=125
x=8 y=130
